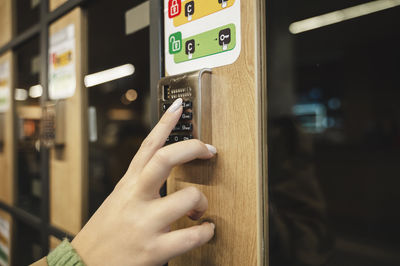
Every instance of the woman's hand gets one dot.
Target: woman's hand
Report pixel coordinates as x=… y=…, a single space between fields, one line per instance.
x=131 y=227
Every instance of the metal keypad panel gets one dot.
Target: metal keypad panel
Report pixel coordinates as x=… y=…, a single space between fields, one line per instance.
x=194 y=89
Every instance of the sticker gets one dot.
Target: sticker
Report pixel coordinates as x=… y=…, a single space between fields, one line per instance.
x=4 y=87
x=208 y=43
x=201 y=34
x=4 y=242
x=62 y=73
x=196 y=9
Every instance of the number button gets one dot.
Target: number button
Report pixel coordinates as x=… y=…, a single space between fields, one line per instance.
x=187 y=116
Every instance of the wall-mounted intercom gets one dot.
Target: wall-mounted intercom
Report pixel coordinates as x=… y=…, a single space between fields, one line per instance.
x=195 y=90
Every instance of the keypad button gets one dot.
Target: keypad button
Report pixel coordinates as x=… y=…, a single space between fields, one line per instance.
x=187 y=116
x=177 y=128
x=177 y=138
x=165 y=106
x=187 y=137
x=187 y=127
x=183 y=127
x=187 y=105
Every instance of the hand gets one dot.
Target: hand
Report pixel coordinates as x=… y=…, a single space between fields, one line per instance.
x=131 y=227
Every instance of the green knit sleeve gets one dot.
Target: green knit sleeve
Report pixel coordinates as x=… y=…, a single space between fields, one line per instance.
x=64 y=255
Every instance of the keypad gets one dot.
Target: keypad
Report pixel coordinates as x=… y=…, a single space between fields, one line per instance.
x=184 y=128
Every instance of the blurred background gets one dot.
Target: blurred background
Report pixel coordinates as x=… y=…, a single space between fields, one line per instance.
x=61 y=156
x=333 y=132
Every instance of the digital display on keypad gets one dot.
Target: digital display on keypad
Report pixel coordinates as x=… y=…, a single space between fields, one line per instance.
x=175 y=93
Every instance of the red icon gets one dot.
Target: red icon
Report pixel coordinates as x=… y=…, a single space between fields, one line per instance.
x=174 y=8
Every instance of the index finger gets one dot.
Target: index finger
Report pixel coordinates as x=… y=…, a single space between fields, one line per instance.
x=157 y=137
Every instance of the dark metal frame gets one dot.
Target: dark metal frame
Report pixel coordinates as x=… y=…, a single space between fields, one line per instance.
x=42 y=223
x=156 y=60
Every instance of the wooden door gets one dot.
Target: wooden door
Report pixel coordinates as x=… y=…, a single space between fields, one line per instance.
x=7 y=153
x=5 y=22
x=233 y=181
x=68 y=169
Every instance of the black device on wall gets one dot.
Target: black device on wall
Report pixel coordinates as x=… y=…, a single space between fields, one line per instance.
x=195 y=90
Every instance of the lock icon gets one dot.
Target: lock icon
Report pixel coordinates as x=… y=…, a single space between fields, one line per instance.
x=175 y=42
x=174 y=8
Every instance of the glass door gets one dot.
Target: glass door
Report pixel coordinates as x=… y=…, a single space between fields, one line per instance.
x=333 y=132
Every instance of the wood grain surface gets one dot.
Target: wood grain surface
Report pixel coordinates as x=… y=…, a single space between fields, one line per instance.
x=54 y=242
x=232 y=180
x=7 y=155
x=5 y=22
x=68 y=169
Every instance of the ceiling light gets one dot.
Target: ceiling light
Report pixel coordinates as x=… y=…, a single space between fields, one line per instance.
x=341 y=15
x=21 y=94
x=131 y=95
x=109 y=75
x=36 y=91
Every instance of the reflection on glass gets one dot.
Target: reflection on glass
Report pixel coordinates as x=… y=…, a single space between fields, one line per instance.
x=28 y=114
x=333 y=133
x=27 y=244
x=27 y=14
x=118 y=92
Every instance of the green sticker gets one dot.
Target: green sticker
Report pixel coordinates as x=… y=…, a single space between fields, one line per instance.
x=175 y=42
x=208 y=43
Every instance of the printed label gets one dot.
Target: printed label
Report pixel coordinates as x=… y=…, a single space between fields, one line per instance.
x=62 y=74
x=196 y=9
x=211 y=39
x=219 y=40
x=4 y=87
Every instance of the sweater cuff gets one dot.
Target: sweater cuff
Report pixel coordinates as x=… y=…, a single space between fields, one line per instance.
x=63 y=255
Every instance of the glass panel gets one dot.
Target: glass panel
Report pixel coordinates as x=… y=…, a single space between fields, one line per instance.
x=27 y=245
x=28 y=113
x=27 y=12
x=119 y=110
x=334 y=132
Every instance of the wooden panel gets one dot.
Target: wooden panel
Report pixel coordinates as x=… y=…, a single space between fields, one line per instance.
x=7 y=242
x=231 y=181
x=6 y=156
x=54 y=242
x=68 y=174
x=5 y=22
x=56 y=3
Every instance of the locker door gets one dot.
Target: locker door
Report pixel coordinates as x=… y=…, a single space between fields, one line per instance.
x=68 y=163
x=6 y=154
x=233 y=181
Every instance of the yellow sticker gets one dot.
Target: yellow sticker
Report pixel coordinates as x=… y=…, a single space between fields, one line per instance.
x=196 y=9
x=3 y=83
x=60 y=60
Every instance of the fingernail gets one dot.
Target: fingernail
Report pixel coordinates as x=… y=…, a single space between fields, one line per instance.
x=175 y=106
x=211 y=148
x=213 y=225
